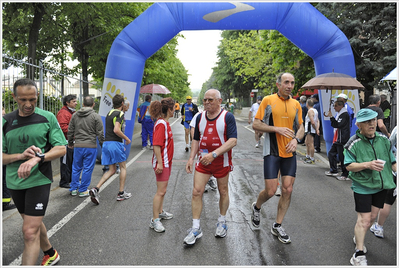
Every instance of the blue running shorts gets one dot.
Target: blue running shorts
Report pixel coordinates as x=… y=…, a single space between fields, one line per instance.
x=113 y=152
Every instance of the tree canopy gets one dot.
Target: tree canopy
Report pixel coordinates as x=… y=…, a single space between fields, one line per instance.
x=372 y=32
x=56 y=33
x=252 y=59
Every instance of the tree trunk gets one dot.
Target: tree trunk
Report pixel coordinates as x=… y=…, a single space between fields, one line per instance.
x=33 y=37
x=85 y=73
x=84 y=60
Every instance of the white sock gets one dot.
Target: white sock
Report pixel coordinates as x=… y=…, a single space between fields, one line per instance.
x=312 y=158
x=187 y=146
x=307 y=156
x=222 y=218
x=196 y=223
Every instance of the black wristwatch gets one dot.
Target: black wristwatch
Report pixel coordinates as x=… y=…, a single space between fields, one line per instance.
x=297 y=140
x=41 y=157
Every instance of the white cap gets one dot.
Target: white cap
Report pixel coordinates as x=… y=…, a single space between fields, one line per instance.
x=342 y=95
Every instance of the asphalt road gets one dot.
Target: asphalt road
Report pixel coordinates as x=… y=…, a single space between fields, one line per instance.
x=320 y=219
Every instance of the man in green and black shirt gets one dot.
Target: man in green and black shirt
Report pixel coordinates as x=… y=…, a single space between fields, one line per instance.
x=32 y=138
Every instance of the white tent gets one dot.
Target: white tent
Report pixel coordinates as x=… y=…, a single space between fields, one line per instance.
x=393 y=75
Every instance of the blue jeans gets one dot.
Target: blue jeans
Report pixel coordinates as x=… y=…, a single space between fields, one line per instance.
x=84 y=160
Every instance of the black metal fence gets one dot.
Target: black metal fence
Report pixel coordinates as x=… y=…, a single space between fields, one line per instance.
x=52 y=85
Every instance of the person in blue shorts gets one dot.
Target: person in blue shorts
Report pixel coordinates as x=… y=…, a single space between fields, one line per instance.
x=113 y=150
x=188 y=110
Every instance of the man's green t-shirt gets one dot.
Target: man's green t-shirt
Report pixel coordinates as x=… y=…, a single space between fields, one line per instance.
x=19 y=133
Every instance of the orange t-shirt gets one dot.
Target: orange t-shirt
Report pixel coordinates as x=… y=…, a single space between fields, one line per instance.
x=177 y=106
x=279 y=112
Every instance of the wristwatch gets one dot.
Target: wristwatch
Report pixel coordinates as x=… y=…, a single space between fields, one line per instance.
x=297 y=140
x=41 y=156
x=214 y=155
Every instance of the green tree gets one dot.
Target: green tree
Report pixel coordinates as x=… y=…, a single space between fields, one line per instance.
x=92 y=29
x=227 y=79
x=249 y=57
x=166 y=69
x=286 y=57
x=372 y=32
x=253 y=59
x=89 y=29
x=32 y=31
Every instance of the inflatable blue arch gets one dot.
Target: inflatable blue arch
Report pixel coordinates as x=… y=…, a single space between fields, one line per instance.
x=301 y=23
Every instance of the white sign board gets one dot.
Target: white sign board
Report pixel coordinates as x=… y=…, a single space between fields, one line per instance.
x=112 y=87
x=328 y=99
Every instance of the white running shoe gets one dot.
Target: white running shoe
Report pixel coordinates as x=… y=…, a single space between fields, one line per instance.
x=281 y=234
x=165 y=215
x=377 y=230
x=278 y=191
x=193 y=235
x=157 y=225
x=94 y=196
x=212 y=183
x=121 y=197
x=221 y=229
x=359 y=260
x=255 y=216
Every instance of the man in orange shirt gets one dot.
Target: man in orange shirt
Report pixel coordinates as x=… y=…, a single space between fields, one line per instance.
x=276 y=117
x=177 y=109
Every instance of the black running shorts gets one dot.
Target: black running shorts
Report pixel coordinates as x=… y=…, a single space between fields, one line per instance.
x=363 y=202
x=32 y=201
x=272 y=164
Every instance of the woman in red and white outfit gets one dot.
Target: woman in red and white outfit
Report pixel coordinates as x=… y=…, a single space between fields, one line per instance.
x=162 y=158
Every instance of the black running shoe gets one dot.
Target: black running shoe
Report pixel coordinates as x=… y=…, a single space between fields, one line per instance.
x=255 y=217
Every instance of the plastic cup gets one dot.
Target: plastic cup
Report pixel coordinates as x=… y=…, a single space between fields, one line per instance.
x=382 y=162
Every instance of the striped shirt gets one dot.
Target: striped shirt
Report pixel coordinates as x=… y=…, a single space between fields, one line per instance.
x=163 y=137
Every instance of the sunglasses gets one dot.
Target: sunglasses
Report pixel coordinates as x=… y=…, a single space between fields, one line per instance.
x=208 y=100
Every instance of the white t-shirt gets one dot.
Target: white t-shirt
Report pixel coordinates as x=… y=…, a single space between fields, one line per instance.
x=307 y=121
x=254 y=110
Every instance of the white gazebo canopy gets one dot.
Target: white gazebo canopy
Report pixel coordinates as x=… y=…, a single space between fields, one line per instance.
x=393 y=75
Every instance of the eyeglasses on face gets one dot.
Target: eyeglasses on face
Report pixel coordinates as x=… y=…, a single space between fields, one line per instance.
x=208 y=100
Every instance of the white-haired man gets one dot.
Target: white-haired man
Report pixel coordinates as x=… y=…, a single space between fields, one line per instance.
x=215 y=135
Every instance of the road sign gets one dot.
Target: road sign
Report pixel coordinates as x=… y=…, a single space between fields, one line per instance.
x=252 y=94
x=254 y=90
